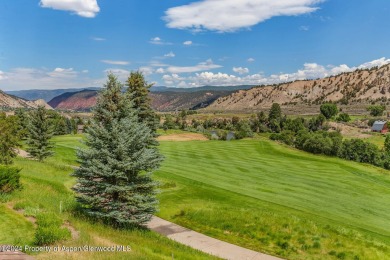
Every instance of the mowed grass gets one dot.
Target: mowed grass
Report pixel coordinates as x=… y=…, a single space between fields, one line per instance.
x=46 y=188
x=271 y=198
x=254 y=193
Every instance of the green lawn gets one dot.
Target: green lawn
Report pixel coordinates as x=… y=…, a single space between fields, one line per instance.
x=254 y=193
x=46 y=187
x=275 y=199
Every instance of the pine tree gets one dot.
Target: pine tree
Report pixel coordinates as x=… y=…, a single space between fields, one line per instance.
x=39 y=134
x=138 y=89
x=9 y=139
x=114 y=180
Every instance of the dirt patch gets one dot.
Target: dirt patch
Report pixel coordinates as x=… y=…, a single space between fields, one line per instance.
x=22 y=153
x=73 y=231
x=182 y=137
x=350 y=131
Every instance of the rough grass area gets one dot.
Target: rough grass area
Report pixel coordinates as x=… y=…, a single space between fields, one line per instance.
x=275 y=199
x=46 y=189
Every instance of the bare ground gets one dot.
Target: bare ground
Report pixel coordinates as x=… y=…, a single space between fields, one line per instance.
x=182 y=137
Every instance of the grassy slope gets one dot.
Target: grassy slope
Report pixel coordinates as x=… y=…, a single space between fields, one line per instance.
x=272 y=198
x=269 y=197
x=46 y=187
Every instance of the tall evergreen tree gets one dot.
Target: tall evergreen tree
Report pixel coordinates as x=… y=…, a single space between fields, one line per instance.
x=40 y=131
x=9 y=138
x=114 y=180
x=139 y=90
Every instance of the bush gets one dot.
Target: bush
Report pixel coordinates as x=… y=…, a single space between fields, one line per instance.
x=376 y=110
x=286 y=136
x=360 y=151
x=49 y=229
x=343 y=117
x=329 y=110
x=9 y=179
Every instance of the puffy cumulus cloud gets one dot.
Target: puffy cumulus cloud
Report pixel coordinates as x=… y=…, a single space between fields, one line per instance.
x=146 y=70
x=202 y=66
x=241 y=70
x=159 y=41
x=32 y=78
x=187 y=43
x=309 y=71
x=160 y=70
x=379 y=62
x=84 y=8
x=116 y=62
x=251 y=60
x=231 y=15
x=169 y=55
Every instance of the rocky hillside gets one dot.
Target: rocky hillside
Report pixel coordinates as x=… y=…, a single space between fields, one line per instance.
x=161 y=101
x=12 y=102
x=81 y=100
x=353 y=88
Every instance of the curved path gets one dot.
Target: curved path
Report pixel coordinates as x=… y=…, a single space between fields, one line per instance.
x=205 y=243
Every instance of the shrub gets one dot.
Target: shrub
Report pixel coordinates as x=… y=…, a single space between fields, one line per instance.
x=9 y=179
x=287 y=137
x=49 y=229
x=329 y=110
x=376 y=110
x=360 y=151
x=343 y=117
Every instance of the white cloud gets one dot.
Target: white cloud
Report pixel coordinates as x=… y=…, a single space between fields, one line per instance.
x=202 y=66
x=231 y=15
x=2 y=75
x=159 y=41
x=374 y=63
x=251 y=60
x=43 y=78
x=241 y=70
x=304 y=28
x=98 y=39
x=160 y=70
x=169 y=55
x=309 y=71
x=116 y=62
x=146 y=70
x=187 y=43
x=84 y=8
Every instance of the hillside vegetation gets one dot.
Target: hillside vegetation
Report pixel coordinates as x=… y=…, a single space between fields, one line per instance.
x=353 y=88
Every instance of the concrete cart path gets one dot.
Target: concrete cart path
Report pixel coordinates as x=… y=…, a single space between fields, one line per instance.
x=205 y=243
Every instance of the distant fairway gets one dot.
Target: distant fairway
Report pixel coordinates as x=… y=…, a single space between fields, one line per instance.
x=255 y=190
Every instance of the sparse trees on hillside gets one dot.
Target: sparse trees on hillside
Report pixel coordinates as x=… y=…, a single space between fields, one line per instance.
x=40 y=131
x=114 y=181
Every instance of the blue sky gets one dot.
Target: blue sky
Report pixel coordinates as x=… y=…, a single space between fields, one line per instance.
x=51 y=44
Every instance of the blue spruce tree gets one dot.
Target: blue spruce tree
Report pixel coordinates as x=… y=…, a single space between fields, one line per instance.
x=114 y=180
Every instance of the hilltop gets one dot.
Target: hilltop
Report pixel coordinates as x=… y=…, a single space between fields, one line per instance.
x=354 y=89
x=12 y=102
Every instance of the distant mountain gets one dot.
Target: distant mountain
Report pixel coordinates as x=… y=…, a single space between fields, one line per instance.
x=11 y=102
x=45 y=94
x=161 y=101
x=80 y=100
x=357 y=88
